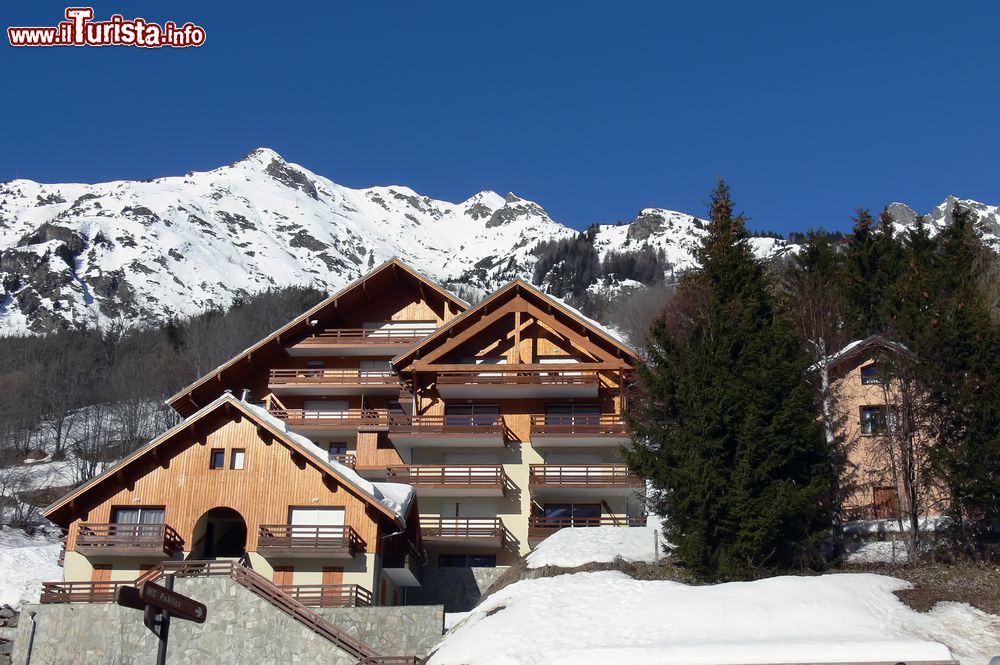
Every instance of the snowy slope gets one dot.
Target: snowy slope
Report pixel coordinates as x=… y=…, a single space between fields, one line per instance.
x=175 y=246
x=569 y=548
x=597 y=618
x=77 y=253
x=25 y=563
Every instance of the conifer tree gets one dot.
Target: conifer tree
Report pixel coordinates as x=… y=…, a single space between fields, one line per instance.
x=872 y=265
x=726 y=427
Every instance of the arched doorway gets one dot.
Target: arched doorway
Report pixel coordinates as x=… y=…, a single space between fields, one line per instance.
x=221 y=533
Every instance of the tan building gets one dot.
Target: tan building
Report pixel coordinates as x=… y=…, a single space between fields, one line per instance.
x=866 y=406
x=505 y=419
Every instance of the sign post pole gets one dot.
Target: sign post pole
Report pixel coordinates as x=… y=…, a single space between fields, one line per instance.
x=161 y=651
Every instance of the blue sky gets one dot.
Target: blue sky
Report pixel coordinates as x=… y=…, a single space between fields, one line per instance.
x=595 y=110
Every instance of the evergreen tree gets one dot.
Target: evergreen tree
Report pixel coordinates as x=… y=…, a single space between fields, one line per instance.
x=726 y=427
x=872 y=265
x=958 y=345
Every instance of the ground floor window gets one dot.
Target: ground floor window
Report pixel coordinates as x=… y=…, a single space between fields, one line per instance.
x=467 y=560
x=573 y=514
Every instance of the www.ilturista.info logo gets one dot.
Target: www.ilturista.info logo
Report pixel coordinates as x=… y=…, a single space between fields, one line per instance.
x=79 y=29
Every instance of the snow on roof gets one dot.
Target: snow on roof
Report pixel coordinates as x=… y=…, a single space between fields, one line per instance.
x=600 y=617
x=857 y=345
x=397 y=497
x=569 y=548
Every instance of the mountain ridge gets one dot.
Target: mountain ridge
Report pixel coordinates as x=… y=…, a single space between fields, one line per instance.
x=146 y=251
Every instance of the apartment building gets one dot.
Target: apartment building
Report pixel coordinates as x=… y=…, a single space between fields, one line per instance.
x=504 y=420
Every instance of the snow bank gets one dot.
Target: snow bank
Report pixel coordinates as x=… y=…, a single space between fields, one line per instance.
x=569 y=548
x=25 y=563
x=601 y=617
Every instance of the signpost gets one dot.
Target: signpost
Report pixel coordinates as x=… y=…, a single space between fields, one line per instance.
x=158 y=604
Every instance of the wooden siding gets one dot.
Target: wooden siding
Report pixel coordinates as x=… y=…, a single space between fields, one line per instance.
x=272 y=480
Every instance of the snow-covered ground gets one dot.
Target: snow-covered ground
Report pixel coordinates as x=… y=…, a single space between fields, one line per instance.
x=606 y=616
x=25 y=563
x=888 y=551
x=569 y=548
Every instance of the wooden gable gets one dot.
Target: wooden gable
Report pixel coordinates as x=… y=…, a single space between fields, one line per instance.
x=174 y=472
x=521 y=324
x=392 y=291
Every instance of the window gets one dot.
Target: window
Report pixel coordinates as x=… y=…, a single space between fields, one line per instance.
x=238 y=459
x=218 y=459
x=137 y=515
x=573 y=514
x=877 y=420
x=572 y=414
x=870 y=374
x=338 y=452
x=467 y=561
x=137 y=521
x=470 y=414
x=315 y=367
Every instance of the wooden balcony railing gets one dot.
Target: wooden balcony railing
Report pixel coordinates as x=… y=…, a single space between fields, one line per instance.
x=80 y=592
x=583 y=475
x=329 y=595
x=294 y=538
x=301 y=418
x=605 y=424
x=347 y=459
x=159 y=538
x=479 y=377
x=352 y=336
x=348 y=377
x=485 y=425
x=446 y=476
x=464 y=527
x=539 y=525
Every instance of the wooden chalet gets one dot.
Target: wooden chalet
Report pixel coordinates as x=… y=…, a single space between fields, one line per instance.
x=230 y=482
x=506 y=420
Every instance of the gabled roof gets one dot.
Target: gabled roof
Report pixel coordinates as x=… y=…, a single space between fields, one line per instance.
x=859 y=346
x=539 y=300
x=392 y=499
x=301 y=322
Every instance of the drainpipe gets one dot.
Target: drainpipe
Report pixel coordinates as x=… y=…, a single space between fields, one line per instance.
x=31 y=637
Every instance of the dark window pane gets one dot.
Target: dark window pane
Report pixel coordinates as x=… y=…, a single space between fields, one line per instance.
x=218 y=458
x=558 y=510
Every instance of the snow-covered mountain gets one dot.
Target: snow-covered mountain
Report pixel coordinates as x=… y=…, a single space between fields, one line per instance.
x=78 y=254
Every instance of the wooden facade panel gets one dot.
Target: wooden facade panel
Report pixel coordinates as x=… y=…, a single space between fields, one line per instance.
x=375 y=451
x=272 y=480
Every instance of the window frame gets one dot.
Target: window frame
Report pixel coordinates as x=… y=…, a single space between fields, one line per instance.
x=212 y=457
x=232 y=459
x=872 y=379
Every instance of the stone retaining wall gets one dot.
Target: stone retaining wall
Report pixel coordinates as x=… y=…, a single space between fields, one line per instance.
x=241 y=628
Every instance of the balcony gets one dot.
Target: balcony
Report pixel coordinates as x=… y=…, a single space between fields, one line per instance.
x=477 y=531
x=334 y=423
x=447 y=431
x=452 y=479
x=309 y=542
x=332 y=382
x=359 y=341
x=501 y=384
x=540 y=527
x=578 y=430
x=582 y=480
x=80 y=592
x=329 y=595
x=128 y=540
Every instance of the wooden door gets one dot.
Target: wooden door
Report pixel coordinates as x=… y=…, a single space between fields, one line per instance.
x=101 y=573
x=332 y=594
x=283 y=575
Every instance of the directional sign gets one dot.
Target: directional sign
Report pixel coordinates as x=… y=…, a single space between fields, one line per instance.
x=128 y=596
x=179 y=606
